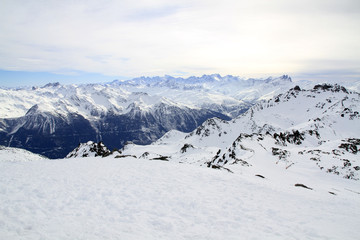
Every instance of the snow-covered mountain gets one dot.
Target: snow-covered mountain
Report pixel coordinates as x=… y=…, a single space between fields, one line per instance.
x=289 y=170
x=55 y=118
x=300 y=129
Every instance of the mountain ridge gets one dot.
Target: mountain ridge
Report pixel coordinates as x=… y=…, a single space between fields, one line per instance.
x=49 y=119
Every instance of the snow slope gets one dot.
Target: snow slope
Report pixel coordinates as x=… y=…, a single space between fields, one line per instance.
x=127 y=198
x=315 y=129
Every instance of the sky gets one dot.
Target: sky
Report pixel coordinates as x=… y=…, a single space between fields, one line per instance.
x=78 y=41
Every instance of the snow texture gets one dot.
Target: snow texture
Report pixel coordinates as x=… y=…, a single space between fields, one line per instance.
x=127 y=198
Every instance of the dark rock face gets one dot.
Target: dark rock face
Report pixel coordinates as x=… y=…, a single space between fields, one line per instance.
x=46 y=134
x=303 y=186
x=54 y=135
x=351 y=145
x=329 y=87
x=282 y=154
x=185 y=147
x=294 y=137
x=161 y=158
x=297 y=88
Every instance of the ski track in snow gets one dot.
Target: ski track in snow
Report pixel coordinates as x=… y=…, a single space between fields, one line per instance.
x=107 y=198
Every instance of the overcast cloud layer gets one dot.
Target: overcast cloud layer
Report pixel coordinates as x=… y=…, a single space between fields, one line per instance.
x=182 y=37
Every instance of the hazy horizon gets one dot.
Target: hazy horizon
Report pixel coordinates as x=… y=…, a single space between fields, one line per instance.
x=39 y=79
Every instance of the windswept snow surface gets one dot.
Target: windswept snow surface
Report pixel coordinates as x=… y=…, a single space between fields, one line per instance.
x=127 y=198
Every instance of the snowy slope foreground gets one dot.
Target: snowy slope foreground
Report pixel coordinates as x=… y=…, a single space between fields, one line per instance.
x=315 y=129
x=127 y=198
x=55 y=118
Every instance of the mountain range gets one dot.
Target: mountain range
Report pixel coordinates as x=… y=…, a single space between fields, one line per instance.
x=286 y=168
x=53 y=119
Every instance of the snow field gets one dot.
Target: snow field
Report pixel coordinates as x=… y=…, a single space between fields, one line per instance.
x=127 y=198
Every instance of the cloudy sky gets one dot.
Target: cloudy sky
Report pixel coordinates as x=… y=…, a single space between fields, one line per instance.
x=86 y=41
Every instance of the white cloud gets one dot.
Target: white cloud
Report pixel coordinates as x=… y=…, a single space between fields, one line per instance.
x=132 y=38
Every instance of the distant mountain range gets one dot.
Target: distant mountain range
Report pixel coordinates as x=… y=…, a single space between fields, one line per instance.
x=53 y=119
